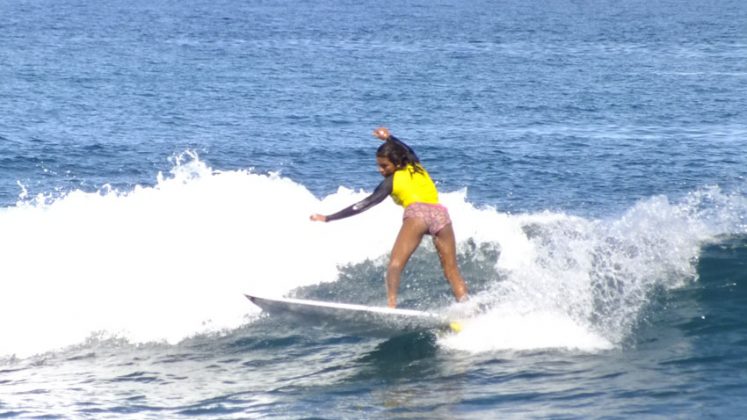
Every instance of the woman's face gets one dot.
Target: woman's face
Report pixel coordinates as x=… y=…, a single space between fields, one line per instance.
x=386 y=167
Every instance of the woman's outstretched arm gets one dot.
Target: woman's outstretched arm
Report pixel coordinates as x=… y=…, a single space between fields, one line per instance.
x=380 y=193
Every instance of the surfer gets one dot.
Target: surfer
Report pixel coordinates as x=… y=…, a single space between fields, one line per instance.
x=409 y=184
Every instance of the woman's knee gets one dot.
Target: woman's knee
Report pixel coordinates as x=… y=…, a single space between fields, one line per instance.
x=396 y=265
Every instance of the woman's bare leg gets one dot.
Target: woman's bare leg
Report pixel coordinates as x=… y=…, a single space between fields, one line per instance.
x=446 y=246
x=410 y=235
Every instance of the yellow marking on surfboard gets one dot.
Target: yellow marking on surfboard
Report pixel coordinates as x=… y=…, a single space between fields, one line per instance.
x=455 y=326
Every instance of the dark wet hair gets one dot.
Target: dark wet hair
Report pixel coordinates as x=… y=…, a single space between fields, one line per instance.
x=399 y=154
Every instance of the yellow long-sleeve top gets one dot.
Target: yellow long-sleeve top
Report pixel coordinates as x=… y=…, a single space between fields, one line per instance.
x=406 y=186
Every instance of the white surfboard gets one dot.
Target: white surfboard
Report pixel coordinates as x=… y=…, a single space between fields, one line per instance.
x=358 y=320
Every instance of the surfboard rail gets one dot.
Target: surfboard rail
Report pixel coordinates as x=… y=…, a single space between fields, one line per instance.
x=354 y=319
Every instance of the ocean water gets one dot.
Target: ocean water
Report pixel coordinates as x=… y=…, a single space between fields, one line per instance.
x=158 y=159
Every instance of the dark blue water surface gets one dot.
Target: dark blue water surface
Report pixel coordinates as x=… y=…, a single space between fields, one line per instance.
x=596 y=109
x=563 y=105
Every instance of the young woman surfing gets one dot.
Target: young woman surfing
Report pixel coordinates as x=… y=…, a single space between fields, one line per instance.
x=407 y=181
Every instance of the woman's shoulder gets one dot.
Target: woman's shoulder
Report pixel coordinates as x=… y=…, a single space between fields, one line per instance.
x=412 y=168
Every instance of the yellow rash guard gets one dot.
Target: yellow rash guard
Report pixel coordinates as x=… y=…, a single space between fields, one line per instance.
x=411 y=186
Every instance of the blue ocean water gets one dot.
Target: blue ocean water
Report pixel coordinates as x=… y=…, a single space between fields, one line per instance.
x=158 y=159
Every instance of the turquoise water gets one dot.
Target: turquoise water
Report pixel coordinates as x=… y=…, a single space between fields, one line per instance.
x=160 y=159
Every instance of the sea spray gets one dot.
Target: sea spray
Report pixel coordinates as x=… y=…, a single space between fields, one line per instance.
x=584 y=284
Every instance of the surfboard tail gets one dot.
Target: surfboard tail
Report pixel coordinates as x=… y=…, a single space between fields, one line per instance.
x=455 y=327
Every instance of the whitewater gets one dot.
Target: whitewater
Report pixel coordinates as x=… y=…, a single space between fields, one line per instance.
x=163 y=263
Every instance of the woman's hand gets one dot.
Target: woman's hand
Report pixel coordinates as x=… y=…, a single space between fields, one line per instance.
x=318 y=218
x=382 y=133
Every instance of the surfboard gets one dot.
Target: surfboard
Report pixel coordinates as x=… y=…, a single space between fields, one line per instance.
x=352 y=319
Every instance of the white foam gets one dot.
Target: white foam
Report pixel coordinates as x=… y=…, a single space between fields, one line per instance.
x=582 y=284
x=166 y=262
x=506 y=329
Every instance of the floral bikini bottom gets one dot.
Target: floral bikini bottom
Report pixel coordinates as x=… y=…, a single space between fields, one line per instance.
x=436 y=216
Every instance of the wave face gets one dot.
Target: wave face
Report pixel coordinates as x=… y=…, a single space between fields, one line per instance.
x=168 y=262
